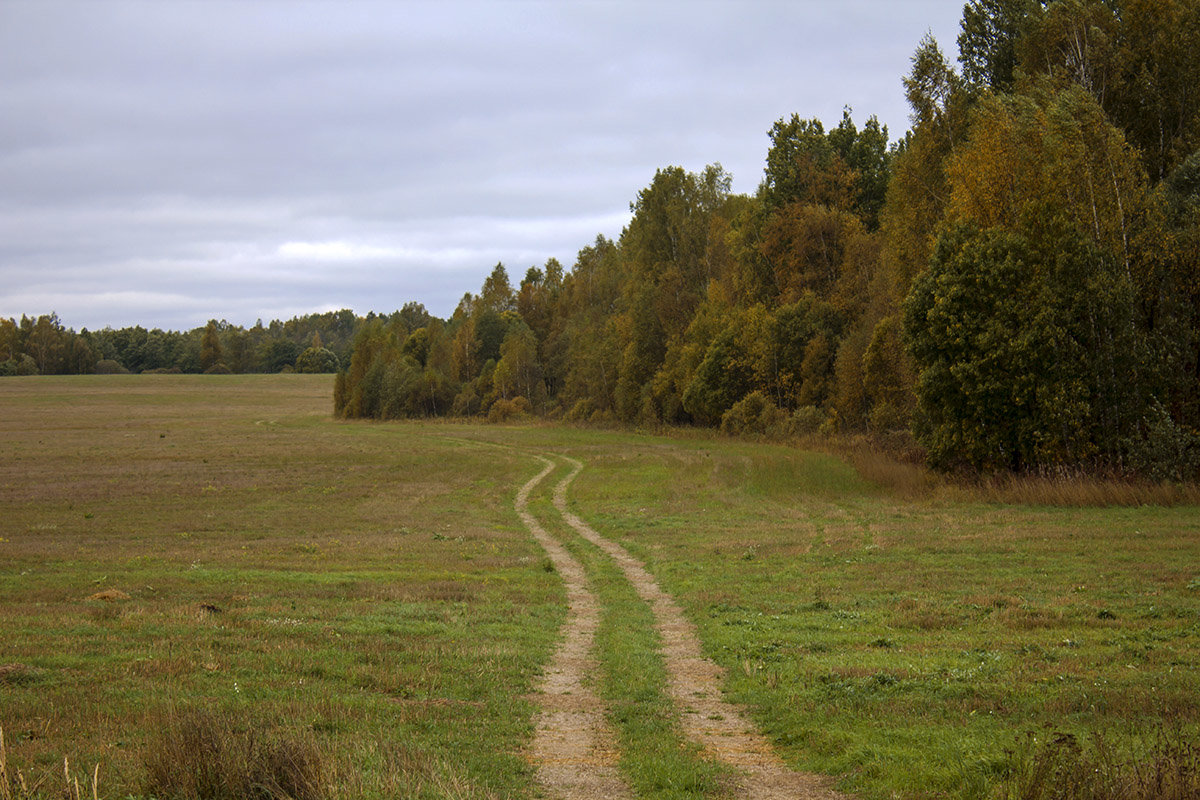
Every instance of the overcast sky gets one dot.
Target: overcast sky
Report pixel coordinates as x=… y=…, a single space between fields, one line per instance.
x=163 y=163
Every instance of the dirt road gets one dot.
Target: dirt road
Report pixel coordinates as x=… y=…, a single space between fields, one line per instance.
x=572 y=747
x=721 y=729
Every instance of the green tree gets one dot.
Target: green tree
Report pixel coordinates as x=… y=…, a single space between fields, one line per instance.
x=1027 y=358
x=803 y=166
x=584 y=346
x=988 y=37
x=865 y=152
x=416 y=346
x=518 y=372
x=724 y=377
x=10 y=341
x=918 y=192
x=1156 y=103
x=414 y=315
x=279 y=354
x=497 y=294
x=211 y=353
x=665 y=250
x=79 y=358
x=46 y=343
x=317 y=359
x=806 y=245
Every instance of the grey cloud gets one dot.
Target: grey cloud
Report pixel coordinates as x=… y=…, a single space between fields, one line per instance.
x=156 y=156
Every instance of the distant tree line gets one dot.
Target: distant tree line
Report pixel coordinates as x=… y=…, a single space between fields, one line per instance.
x=1016 y=281
x=311 y=343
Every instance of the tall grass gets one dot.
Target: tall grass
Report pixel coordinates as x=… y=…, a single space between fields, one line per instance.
x=900 y=470
x=1061 y=767
x=18 y=786
x=1080 y=491
x=214 y=755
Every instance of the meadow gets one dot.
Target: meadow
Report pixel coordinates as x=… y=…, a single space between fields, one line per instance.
x=212 y=568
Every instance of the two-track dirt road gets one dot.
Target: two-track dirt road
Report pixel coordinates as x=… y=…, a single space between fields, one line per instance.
x=573 y=749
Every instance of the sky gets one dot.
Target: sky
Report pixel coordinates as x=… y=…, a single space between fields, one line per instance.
x=167 y=162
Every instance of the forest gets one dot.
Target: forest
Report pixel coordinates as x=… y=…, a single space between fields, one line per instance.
x=1013 y=285
x=309 y=343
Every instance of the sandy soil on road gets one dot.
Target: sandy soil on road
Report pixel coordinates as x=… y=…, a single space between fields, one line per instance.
x=573 y=748
x=695 y=683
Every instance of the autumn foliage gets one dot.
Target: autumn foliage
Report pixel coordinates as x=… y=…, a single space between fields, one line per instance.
x=1016 y=281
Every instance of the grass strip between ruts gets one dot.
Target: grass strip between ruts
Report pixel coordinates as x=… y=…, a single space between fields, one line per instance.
x=659 y=762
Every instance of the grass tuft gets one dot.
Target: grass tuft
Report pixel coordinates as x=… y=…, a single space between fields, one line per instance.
x=18 y=675
x=213 y=755
x=17 y=785
x=1063 y=768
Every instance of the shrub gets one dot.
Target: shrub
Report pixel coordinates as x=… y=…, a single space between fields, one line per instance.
x=107 y=366
x=754 y=413
x=1165 y=451
x=317 y=360
x=504 y=410
x=806 y=420
x=22 y=365
x=581 y=411
x=602 y=417
x=466 y=402
x=885 y=418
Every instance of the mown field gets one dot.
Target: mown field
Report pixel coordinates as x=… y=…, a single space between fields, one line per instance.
x=362 y=599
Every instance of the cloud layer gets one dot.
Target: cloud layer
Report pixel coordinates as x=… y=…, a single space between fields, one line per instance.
x=163 y=163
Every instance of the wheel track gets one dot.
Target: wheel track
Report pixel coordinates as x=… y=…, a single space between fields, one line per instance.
x=695 y=683
x=573 y=749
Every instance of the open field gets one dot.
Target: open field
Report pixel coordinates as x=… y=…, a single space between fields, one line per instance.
x=367 y=591
x=347 y=584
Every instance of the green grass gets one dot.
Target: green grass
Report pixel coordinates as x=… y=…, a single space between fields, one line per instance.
x=910 y=646
x=367 y=585
x=373 y=590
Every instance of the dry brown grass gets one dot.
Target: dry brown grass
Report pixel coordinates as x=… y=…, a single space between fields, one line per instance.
x=209 y=755
x=902 y=473
x=1081 y=490
x=109 y=595
x=1061 y=767
x=18 y=785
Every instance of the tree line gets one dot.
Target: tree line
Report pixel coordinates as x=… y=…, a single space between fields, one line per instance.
x=310 y=343
x=1016 y=281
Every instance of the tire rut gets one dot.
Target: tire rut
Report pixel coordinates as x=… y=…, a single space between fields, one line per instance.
x=719 y=727
x=573 y=749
